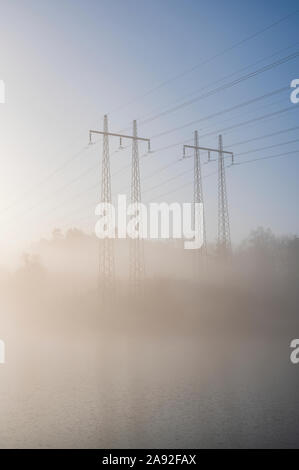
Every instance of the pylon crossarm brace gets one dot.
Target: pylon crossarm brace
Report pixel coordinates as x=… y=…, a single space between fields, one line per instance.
x=207 y=149
x=121 y=136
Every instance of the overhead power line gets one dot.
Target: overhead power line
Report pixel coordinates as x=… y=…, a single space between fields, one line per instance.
x=221 y=79
x=226 y=86
x=223 y=111
x=206 y=61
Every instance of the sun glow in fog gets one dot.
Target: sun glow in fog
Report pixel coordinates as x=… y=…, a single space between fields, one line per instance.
x=192 y=364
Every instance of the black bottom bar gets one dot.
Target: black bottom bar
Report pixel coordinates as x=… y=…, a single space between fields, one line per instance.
x=152 y=457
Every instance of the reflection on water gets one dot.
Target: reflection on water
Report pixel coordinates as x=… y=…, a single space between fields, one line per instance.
x=116 y=391
x=195 y=363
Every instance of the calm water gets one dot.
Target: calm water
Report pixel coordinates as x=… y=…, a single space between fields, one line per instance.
x=119 y=391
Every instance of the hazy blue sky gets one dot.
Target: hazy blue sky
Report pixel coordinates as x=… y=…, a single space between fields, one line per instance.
x=66 y=63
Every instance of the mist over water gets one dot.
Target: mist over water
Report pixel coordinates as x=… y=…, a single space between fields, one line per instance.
x=200 y=360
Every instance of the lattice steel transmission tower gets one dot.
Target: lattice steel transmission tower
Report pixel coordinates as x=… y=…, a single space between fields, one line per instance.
x=224 y=241
x=107 y=271
x=198 y=192
x=106 y=255
x=137 y=265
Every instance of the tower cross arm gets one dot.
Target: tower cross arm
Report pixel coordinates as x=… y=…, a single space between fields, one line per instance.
x=114 y=134
x=121 y=136
x=207 y=149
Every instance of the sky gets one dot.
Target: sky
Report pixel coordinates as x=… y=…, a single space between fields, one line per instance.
x=67 y=63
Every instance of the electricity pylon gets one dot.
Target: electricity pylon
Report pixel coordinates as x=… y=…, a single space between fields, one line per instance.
x=198 y=198
x=198 y=192
x=106 y=255
x=224 y=241
x=224 y=244
x=107 y=273
x=137 y=265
